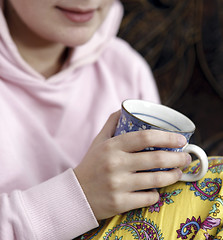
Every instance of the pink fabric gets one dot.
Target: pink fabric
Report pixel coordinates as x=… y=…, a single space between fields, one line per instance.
x=46 y=127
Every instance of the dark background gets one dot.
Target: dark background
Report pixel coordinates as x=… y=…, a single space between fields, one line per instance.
x=183 y=43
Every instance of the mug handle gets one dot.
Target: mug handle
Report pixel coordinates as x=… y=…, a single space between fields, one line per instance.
x=191 y=148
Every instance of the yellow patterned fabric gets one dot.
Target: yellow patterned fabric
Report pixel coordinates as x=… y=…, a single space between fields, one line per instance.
x=192 y=210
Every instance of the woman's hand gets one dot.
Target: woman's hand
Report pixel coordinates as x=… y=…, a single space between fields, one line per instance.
x=108 y=173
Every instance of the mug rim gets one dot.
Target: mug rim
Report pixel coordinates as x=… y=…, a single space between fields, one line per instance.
x=162 y=106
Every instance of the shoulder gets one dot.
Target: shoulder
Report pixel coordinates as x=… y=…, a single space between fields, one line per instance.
x=124 y=53
x=128 y=71
x=123 y=60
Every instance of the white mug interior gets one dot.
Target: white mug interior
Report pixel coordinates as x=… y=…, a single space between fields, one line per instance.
x=159 y=115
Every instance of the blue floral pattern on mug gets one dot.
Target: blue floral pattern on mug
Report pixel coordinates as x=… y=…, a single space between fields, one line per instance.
x=129 y=123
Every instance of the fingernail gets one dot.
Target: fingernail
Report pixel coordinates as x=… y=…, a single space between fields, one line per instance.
x=189 y=159
x=180 y=173
x=181 y=140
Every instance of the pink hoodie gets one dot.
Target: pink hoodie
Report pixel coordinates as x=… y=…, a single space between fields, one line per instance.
x=47 y=126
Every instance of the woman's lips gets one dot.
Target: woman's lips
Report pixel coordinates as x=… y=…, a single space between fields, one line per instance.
x=77 y=15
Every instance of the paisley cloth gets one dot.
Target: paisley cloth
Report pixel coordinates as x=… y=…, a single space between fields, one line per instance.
x=186 y=210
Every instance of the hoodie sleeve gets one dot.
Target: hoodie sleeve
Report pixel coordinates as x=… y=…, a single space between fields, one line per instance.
x=56 y=209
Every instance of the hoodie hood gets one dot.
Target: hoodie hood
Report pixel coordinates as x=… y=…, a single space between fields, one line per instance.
x=14 y=68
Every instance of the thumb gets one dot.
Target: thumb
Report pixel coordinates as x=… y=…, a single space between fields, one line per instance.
x=109 y=128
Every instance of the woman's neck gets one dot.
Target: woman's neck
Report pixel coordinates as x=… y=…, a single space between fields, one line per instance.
x=45 y=57
x=47 y=60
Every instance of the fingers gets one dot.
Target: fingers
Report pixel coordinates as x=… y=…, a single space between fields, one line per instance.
x=133 y=200
x=148 y=180
x=137 y=141
x=142 y=161
x=112 y=184
x=137 y=200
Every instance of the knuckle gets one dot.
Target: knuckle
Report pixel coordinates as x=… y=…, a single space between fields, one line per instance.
x=115 y=203
x=114 y=185
x=111 y=165
x=107 y=147
x=161 y=160
x=111 y=162
x=144 y=137
x=158 y=180
x=165 y=178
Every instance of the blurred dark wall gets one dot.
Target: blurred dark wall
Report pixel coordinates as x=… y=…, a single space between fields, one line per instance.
x=183 y=43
